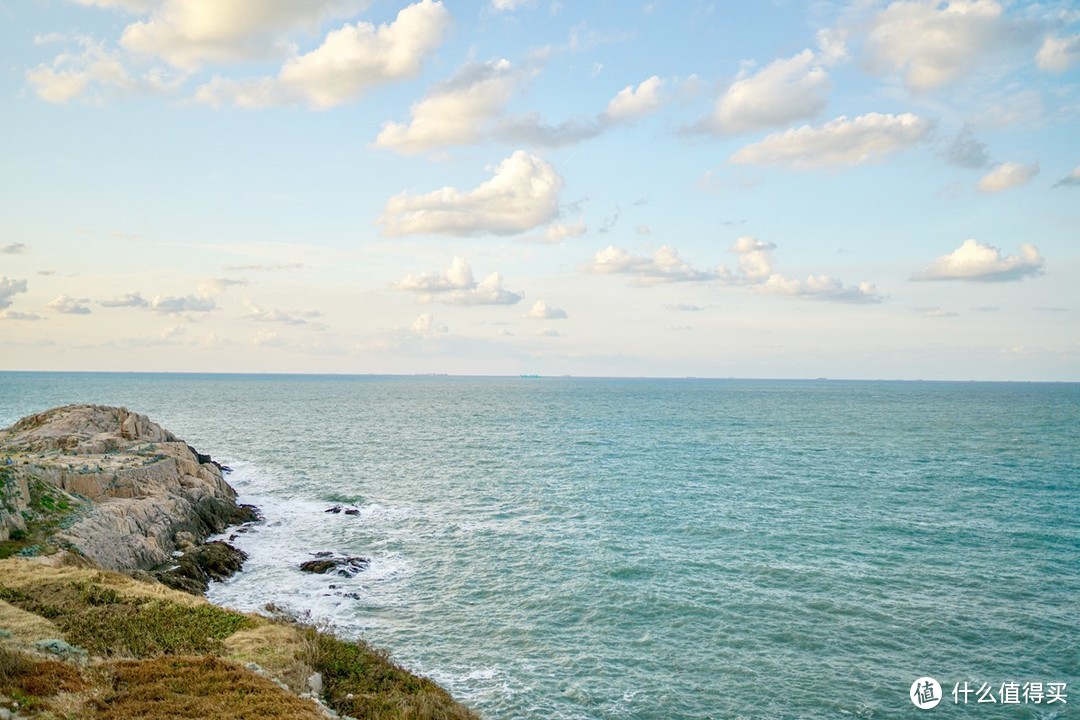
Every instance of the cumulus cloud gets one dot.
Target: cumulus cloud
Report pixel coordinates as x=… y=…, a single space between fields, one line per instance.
x=471 y=107
x=785 y=90
x=92 y=72
x=755 y=269
x=977 y=262
x=67 y=305
x=1007 y=175
x=13 y=249
x=457 y=112
x=458 y=276
x=556 y=233
x=665 y=266
x=273 y=315
x=631 y=103
x=488 y=292
x=839 y=142
x=188 y=33
x=172 y=304
x=820 y=287
x=684 y=307
x=132 y=299
x=8 y=289
x=542 y=311
x=1070 y=180
x=262 y=266
x=932 y=43
x=16 y=315
x=457 y=286
x=522 y=194
x=966 y=151
x=350 y=60
x=218 y=286
x=1059 y=54
x=503 y=5
x=427 y=325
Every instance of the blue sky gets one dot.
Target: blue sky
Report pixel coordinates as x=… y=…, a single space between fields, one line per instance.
x=842 y=189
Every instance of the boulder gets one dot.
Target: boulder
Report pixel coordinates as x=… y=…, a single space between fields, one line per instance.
x=112 y=486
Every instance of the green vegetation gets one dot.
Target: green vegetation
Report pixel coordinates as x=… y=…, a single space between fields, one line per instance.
x=47 y=511
x=98 y=619
x=158 y=654
x=363 y=682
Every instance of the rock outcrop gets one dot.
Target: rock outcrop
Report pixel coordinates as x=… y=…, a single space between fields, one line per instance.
x=109 y=485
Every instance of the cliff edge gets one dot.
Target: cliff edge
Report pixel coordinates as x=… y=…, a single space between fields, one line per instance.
x=109 y=485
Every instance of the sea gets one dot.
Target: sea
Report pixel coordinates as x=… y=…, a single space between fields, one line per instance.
x=579 y=549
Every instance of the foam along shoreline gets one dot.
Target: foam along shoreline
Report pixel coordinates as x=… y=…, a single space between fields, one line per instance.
x=104 y=521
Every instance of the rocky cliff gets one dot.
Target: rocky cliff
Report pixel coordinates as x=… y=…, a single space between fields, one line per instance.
x=108 y=485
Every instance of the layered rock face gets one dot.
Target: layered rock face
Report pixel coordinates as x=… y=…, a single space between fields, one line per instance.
x=110 y=485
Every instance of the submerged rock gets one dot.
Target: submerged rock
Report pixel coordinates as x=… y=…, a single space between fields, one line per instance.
x=193 y=571
x=341 y=565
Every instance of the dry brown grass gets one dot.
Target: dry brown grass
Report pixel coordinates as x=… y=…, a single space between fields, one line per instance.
x=208 y=688
x=25 y=626
x=18 y=573
x=279 y=648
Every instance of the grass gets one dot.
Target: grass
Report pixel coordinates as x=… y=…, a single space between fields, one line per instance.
x=160 y=654
x=209 y=688
x=101 y=621
x=363 y=682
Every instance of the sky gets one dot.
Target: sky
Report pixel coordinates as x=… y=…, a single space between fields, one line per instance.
x=861 y=189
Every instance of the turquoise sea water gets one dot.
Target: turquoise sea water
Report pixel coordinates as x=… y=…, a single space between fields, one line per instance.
x=571 y=548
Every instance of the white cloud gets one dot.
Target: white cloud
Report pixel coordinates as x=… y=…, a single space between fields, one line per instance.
x=471 y=107
x=133 y=299
x=684 y=307
x=458 y=112
x=839 y=142
x=92 y=72
x=547 y=332
x=172 y=332
x=1070 y=180
x=555 y=233
x=172 y=304
x=16 y=315
x=259 y=314
x=522 y=194
x=666 y=265
x=1059 y=54
x=8 y=289
x=932 y=43
x=67 y=305
x=503 y=5
x=632 y=103
x=218 y=286
x=819 y=287
x=1007 y=175
x=542 y=311
x=785 y=90
x=755 y=258
x=350 y=60
x=756 y=270
x=488 y=292
x=458 y=276
x=427 y=325
x=984 y=263
x=13 y=249
x=188 y=33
